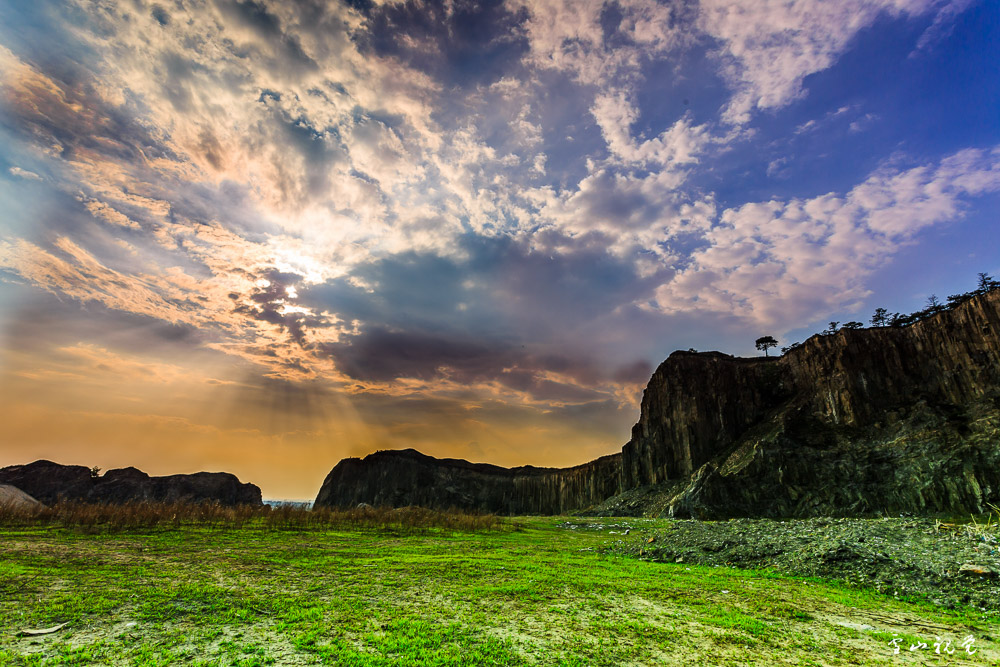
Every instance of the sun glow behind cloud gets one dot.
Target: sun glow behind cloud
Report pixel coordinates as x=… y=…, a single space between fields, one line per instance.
x=263 y=235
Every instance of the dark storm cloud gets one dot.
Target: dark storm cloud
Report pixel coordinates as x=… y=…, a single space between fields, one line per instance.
x=412 y=325
x=462 y=43
x=381 y=355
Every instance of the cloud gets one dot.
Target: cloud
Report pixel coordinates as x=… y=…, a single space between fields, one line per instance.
x=379 y=355
x=460 y=44
x=70 y=270
x=108 y=213
x=863 y=123
x=677 y=146
x=779 y=263
x=444 y=363
x=596 y=42
x=623 y=212
x=25 y=174
x=943 y=24
x=767 y=49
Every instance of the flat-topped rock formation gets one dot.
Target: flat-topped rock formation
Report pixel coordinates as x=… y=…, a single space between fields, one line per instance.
x=858 y=422
x=50 y=482
x=407 y=477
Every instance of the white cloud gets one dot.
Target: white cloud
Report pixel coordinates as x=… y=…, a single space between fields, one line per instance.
x=862 y=123
x=24 y=173
x=675 y=147
x=567 y=35
x=623 y=213
x=781 y=263
x=768 y=47
x=943 y=24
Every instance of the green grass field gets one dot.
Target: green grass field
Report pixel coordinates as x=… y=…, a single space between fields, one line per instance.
x=538 y=594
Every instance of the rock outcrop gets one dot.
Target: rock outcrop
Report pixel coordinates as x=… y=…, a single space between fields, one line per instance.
x=407 y=477
x=14 y=499
x=859 y=422
x=51 y=482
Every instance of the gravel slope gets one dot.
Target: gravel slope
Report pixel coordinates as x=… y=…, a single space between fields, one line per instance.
x=952 y=565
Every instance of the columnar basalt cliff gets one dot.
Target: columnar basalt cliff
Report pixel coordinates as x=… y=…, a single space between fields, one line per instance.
x=860 y=421
x=51 y=482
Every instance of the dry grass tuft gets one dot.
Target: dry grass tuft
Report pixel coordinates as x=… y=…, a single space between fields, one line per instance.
x=139 y=516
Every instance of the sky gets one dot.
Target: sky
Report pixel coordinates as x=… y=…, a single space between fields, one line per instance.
x=259 y=237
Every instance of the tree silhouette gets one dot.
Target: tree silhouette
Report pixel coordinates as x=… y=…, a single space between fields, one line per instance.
x=986 y=283
x=853 y=325
x=764 y=342
x=880 y=318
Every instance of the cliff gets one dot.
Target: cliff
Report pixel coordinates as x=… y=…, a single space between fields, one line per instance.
x=857 y=422
x=50 y=482
x=407 y=477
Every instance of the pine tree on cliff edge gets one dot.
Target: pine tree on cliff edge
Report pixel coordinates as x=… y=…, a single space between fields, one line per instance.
x=764 y=342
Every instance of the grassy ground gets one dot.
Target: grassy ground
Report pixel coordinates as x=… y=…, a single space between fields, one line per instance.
x=538 y=595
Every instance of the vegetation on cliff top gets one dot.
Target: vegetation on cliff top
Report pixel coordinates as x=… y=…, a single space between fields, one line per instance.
x=883 y=318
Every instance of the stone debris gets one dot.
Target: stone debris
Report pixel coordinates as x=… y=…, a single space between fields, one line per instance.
x=971 y=569
x=904 y=556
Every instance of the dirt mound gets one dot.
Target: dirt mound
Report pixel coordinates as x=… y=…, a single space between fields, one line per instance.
x=13 y=498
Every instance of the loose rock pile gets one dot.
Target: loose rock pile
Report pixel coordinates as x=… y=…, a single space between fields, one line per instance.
x=951 y=565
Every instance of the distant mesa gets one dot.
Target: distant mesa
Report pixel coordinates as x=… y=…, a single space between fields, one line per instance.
x=51 y=482
x=13 y=498
x=854 y=422
x=407 y=477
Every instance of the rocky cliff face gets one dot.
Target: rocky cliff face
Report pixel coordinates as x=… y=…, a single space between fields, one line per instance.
x=407 y=477
x=50 y=482
x=857 y=422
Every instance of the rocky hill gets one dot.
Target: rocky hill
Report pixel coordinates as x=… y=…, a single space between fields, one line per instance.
x=858 y=422
x=407 y=477
x=50 y=482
